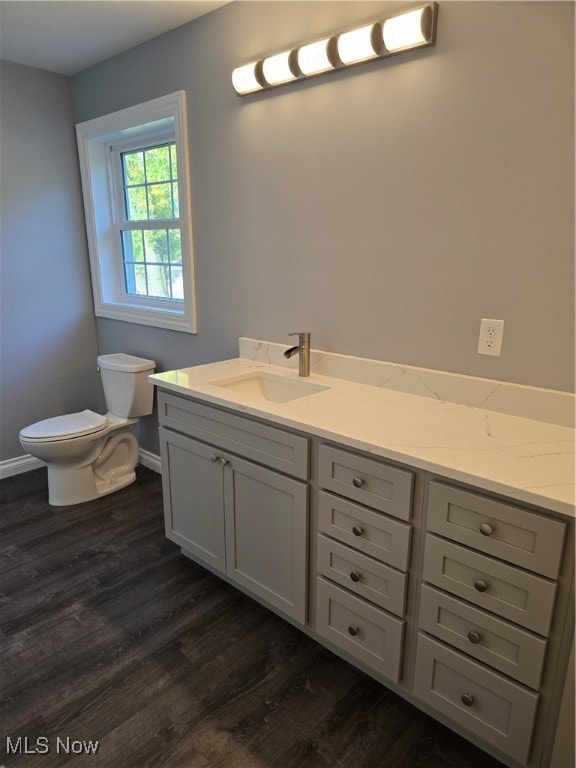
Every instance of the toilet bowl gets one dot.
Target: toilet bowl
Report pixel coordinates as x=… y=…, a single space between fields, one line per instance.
x=89 y=455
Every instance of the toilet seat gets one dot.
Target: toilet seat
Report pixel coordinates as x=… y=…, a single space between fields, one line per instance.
x=65 y=427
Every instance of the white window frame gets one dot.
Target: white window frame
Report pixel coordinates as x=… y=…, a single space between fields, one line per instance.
x=99 y=142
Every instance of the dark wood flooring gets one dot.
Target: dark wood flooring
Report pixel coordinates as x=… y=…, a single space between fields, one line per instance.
x=109 y=634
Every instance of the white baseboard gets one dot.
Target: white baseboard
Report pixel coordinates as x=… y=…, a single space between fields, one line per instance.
x=150 y=460
x=19 y=465
x=27 y=463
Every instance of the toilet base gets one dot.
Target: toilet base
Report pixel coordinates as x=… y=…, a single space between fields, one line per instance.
x=108 y=467
x=68 y=486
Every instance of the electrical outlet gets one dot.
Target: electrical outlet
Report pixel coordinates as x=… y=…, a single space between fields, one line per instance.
x=490 y=340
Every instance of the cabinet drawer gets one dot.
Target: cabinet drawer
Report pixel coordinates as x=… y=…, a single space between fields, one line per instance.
x=365 y=632
x=266 y=445
x=497 y=710
x=371 y=532
x=363 y=575
x=507 y=648
x=515 y=535
x=519 y=596
x=370 y=482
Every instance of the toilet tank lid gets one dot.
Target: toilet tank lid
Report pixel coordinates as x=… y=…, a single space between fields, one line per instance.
x=121 y=362
x=69 y=425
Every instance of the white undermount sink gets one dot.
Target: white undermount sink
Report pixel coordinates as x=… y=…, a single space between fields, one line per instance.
x=260 y=385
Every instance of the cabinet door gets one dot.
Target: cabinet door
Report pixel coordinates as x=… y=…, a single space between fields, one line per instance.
x=266 y=533
x=193 y=498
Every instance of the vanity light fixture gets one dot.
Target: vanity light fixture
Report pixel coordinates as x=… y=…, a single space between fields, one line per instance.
x=359 y=45
x=246 y=79
x=280 y=68
x=406 y=31
x=318 y=57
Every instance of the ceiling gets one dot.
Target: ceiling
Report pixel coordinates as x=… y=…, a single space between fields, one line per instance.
x=67 y=36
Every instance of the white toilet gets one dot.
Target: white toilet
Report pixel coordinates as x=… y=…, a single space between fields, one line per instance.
x=89 y=455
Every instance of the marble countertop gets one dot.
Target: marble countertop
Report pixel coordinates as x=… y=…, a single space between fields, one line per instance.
x=524 y=459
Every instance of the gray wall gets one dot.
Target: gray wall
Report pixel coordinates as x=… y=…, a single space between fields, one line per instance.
x=386 y=208
x=48 y=334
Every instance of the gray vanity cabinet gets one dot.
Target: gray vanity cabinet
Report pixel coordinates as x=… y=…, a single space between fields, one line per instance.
x=459 y=600
x=244 y=520
x=193 y=498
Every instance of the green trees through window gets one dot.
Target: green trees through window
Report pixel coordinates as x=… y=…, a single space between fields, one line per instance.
x=152 y=253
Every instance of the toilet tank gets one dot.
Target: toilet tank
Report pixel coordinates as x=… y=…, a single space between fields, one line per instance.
x=127 y=390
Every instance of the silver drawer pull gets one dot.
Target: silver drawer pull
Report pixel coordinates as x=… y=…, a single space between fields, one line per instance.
x=353 y=630
x=357 y=530
x=357 y=482
x=480 y=585
x=213 y=457
x=474 y=637
x=355 y=576
x=486 y=529
x=467 y=699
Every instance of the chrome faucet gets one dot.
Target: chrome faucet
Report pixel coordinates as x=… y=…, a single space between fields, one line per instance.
x=303 y=349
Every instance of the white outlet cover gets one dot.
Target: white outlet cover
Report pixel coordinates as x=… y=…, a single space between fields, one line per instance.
x=490 y=339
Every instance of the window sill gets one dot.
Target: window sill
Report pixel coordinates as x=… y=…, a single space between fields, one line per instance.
x=175 y=321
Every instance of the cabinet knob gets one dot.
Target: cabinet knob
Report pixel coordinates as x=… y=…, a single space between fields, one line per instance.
x=357 y=482
x=467 y=699
x=474 y=637
x=486 y=529
x=355 y=576
x=224 y=462
x=357 y=530
x=213 y=457
x=353 y=630
x=480 y=585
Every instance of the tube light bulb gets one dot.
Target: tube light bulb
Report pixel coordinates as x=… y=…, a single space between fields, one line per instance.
x=244 y=79
x=405 y=31
x=277 y=69
x=356 y=45
x=314 y=57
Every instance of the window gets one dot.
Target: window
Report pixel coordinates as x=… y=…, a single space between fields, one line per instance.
x=135 y=181
x=149 y=221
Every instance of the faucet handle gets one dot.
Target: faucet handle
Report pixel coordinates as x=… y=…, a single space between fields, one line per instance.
x=301 y=334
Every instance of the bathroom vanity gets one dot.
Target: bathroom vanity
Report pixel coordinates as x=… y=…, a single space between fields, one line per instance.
x=428 y=541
